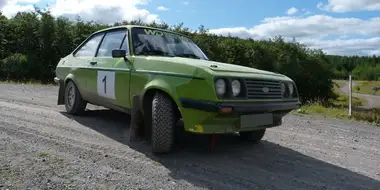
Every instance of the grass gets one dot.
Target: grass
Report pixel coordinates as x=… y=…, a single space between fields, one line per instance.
x=339 y=83
x=370 y=116
x=362 y=87
x=342 y=99
x=366 y=87
x=337 y=108
x=43 y=154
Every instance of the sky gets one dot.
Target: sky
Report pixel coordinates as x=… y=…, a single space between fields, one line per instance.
x=340 y=27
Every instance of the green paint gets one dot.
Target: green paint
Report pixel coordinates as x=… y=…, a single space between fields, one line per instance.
x=179 y=77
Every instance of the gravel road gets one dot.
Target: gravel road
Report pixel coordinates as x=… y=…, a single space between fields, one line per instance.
x=43 y=148
x=372 y=100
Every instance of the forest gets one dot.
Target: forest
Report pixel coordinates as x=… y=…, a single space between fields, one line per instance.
x=32 y=43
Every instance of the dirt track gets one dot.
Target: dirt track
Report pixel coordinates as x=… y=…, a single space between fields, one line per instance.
x=41 y=147
x=372 y=100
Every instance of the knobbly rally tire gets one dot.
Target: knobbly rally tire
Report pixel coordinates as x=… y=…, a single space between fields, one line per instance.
x=252 y=136
x=163 y=123
x=74 y=102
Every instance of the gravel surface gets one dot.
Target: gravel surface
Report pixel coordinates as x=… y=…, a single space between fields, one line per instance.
x=373 y=101
x=41 y=147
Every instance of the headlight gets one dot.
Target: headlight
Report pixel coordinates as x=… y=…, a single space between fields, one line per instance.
x=220 y=87
x=291 y=89
x=236 y=87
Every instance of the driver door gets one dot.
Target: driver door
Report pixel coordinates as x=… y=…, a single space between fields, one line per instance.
x=113 y=74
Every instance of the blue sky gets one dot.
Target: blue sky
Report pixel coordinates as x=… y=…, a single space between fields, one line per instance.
x=223 y=13
x=344 y=27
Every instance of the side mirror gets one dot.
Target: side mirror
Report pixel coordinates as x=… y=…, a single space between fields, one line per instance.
x=117 y=53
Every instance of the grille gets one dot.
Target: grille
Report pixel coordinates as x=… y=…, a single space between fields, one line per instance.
x=255 y=89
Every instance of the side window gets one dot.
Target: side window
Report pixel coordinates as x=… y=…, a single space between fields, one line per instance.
x=125 y=45
x=89 y=48
x=111 y=41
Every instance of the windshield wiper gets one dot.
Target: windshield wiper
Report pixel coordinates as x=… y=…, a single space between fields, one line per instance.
x=156 y=52
x=189 y=55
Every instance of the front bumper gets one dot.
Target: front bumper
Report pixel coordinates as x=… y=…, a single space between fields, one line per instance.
x=241 y=108
x=205 y=117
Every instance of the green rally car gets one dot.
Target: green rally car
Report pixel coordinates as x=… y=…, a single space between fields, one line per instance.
x=167 y=78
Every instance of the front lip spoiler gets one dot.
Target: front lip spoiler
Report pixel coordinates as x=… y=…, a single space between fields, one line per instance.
x=240 y=107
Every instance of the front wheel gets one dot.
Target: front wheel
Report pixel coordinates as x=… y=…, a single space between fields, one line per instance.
x=163 y=123
x=74 y=102
x=252 y=136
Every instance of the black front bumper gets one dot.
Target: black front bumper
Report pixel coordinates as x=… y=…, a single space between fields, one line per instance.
x=241 y=107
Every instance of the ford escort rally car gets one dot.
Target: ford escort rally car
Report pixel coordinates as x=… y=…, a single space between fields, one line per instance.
x=168 y=79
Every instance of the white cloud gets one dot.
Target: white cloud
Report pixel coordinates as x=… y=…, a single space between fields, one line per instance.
x=11 y=7
x=3 y=3
x=313 y=29
x=354 y=36
x=162 y=8
x=368 y=46
x=28 y=1
x=185 y=2
x=292 y=10
x=350 y=5
x=109 y=11
x=306 y=12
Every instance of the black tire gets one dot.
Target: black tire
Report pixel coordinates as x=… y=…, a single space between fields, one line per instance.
x=163 y=123
x=252 y=136
x=79 y=105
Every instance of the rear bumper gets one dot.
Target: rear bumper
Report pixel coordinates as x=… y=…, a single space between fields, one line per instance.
x=241 y=108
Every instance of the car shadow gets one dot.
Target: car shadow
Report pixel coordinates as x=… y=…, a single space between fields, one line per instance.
x=233 y=164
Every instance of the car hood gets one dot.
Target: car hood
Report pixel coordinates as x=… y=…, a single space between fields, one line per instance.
x=215 y=66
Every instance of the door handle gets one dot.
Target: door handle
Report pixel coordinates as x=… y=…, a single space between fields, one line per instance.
x=93 y=62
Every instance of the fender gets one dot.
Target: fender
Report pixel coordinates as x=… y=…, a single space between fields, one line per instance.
x=62 y=84
x=162 y=85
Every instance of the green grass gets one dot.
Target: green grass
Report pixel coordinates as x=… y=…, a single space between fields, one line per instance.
x=339 y=83
x=362 y=87
x=337 y=108
x=366 y=87
x=342 y=99
x=337 y=112
x=43 y=154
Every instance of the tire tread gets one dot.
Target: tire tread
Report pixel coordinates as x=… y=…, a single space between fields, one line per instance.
x=163 y=117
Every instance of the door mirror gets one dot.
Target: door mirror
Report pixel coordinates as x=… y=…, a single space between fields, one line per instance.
x=117 y=53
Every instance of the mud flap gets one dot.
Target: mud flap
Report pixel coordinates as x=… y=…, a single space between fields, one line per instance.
x=61 y=91
x=135 y=128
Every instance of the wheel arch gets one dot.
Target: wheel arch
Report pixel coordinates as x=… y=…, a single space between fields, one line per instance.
x=158 y=86
x=70 y=77
x=62 y=86
x=147 y=97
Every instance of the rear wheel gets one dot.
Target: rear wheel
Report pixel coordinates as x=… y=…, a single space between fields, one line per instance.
x=74 y=102
x=163 y=123
x=252 y=136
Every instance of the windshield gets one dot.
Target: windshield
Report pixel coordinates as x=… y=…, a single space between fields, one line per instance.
x=157 y=42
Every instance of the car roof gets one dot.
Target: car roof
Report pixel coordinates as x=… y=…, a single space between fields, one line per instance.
x=135 y=26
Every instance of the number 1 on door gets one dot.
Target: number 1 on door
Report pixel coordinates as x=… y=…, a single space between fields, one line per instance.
x=106 y=84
